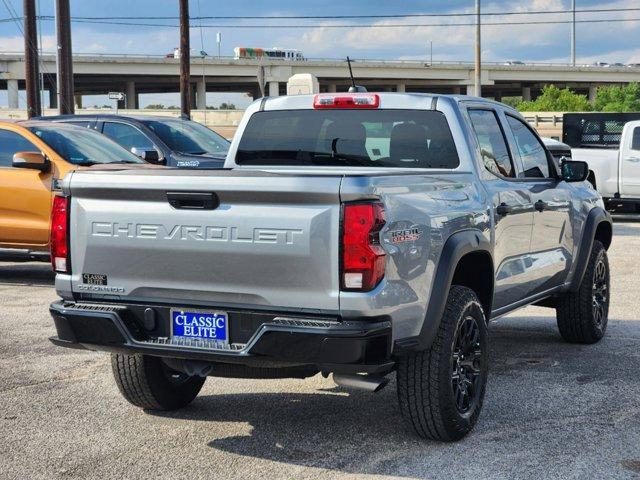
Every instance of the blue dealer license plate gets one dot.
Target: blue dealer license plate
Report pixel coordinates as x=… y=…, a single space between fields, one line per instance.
x=202 y=325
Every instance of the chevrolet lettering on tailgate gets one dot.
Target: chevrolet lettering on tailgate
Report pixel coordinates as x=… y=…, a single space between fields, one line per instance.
x=209 y=233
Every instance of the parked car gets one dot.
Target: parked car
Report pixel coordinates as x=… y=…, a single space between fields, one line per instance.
x=557 y=149
x=610 y=144
x=174 y=142
x=350 y=233
x=34 y=156
x=514 y=62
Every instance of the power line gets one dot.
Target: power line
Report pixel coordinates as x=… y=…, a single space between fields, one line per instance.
x=88 y=19
x=363 y=16
x=369 y=25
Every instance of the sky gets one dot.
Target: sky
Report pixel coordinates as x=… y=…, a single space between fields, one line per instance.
x=606 y=41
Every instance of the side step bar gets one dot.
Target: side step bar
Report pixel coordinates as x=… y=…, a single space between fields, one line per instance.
x=22 y=255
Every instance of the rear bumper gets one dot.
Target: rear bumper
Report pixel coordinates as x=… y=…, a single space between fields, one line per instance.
x=277 y=339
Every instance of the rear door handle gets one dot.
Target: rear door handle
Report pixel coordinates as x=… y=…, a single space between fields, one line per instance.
x=193 y=200
x=540 y=205
x=504 y=209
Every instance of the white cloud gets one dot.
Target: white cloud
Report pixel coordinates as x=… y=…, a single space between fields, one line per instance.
x=500 y=42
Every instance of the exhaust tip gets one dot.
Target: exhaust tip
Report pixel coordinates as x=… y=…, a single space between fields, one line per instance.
x=369 y=383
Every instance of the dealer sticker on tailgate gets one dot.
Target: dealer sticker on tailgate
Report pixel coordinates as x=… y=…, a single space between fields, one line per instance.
x=204 y=325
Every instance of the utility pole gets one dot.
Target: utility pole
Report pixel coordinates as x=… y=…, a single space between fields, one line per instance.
x=185 y=60
x=478 y=87
x=64 y=59
x=31 y=70
x=573 y=33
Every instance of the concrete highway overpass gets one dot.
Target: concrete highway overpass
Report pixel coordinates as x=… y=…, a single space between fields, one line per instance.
x=134 y=75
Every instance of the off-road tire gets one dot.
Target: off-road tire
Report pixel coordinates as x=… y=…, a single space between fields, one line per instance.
x=425 y=378
x=578 y=320
x=148 y=383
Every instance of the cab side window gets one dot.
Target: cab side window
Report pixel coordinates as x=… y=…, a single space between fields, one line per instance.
x=635 y=140
x=531 y=151
x=126 y=136
x=11 y=143
x=493 y=147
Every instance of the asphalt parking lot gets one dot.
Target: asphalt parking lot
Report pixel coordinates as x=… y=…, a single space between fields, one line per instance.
x=552 y=410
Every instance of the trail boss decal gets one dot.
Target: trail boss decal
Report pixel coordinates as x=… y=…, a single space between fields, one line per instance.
x=405 y=235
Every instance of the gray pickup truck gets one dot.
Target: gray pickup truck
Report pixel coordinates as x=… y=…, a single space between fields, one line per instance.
x=349 y=234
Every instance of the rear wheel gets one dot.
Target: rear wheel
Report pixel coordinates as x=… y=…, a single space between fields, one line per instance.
x=147 y=382
x=583 y=315
x=441 y=389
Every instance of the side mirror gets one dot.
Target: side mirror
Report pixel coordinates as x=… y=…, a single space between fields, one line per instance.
x=31 y=160
x=151 y=156
x=573 y=170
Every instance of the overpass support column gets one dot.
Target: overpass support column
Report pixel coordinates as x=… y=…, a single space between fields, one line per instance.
x=192 y=96
x=12 y=93
x=526 y=94
x=332 y=88
x=132 y=96
x=53 y=98
x=593 y=90
x=78 y=100
x=471 y=90
x=201 y=94
x=274 y=89
x=401 y=88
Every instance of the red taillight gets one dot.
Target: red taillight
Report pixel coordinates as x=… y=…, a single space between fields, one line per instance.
x=346 y=100
x=59 y=234
x=363 y=258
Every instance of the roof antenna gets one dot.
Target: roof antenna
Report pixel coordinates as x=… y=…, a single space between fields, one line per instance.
x=354 y=88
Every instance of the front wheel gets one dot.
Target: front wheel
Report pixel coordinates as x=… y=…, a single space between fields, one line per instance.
x=583 y=315
x=441 y=389
x=147 y=382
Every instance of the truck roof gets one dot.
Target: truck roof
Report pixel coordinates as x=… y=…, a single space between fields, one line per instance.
x=387 y=100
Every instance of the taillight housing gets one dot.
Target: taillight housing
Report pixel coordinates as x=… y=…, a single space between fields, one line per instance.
x=59 y=240
x=346 y=100
x=363 y=258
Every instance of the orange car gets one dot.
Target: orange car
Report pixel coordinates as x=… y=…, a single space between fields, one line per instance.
x=34 y=155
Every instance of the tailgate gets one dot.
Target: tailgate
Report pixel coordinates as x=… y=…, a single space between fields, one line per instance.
x=272 y=241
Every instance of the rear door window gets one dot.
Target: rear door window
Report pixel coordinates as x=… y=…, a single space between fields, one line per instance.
x=493 y=146
x=126 y=136
x=359 y=138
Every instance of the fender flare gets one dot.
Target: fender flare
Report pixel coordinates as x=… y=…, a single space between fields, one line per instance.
x=595 y=217
x=457 y=246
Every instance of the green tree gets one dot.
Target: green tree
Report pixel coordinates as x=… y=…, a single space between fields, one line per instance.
x=227 y=106
x=155 y=106
x=512 y=101
x=554 y=99
x=625 y=98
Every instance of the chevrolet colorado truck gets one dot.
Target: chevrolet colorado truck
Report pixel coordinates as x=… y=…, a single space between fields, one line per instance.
x=353 y=234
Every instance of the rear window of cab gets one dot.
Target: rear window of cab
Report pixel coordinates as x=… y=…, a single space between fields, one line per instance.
x=348 y=137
